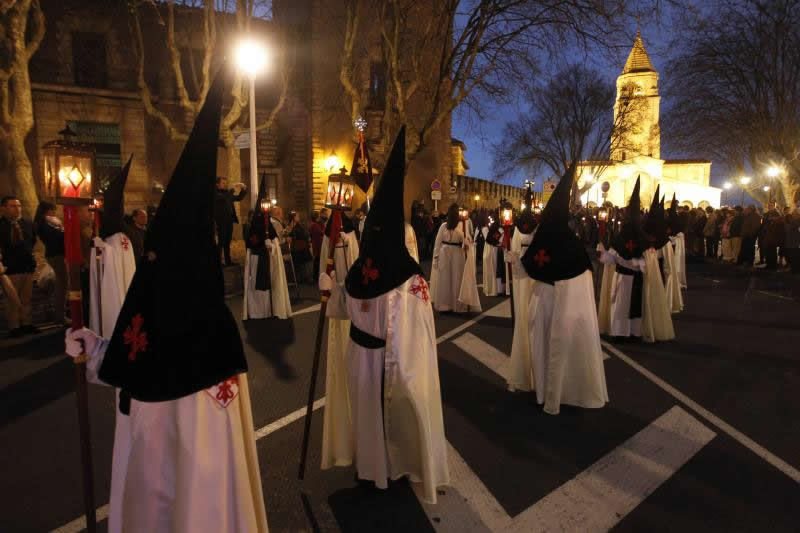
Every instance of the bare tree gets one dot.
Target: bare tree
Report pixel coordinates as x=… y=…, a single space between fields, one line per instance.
x=570 y=118
x=22 y=28
x=192 y=77
x=440 y=55
x=734 y=85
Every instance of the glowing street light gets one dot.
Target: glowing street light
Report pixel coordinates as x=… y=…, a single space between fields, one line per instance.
x=773 y=172
x=766 y=188
x=744 y=180
x=332 y=161
x=251 y=58
x=727 y=185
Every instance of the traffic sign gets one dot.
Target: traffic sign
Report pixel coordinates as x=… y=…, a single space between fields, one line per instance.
x=242 y=141
x=436 y=185
x=436 y=195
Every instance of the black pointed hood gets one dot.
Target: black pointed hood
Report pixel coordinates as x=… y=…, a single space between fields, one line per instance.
x=556 y=253
x=384 y=262
x=673 y=220
x=526 y=222
x=175 y=336
x=630 y=240
x=113 y=215
x=655 y=227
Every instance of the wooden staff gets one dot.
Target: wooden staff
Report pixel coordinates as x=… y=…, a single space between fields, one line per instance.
x=336 y=226
x=72 y=246
x=509 y=272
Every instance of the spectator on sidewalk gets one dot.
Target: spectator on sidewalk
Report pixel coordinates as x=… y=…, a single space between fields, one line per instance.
x=750 y=226
x=50 y=231
x=300 y=247
x=771 y=213
x=225 y=214
x=736 y=233
x=136 y=231
x=711 y=232
x=774 y=235
x=17 y=237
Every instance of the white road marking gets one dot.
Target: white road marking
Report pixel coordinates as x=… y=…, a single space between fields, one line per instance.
x=710 y=279
x=776 y=295
x=710 y=417
x=79 y=524
x=491 y=357
x=598 y=498
x=309 y=309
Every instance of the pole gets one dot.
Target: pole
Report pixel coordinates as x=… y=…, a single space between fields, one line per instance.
x=253 y=154
x=509 y=272
x=72 y=245
x=336 y=225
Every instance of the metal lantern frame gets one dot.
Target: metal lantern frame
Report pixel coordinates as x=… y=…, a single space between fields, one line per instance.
x=59 y=179
x=340 y=191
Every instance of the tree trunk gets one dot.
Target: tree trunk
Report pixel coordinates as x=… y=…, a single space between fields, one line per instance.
x=22 y=174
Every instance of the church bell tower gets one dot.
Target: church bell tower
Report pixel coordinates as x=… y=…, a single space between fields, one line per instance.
x=637 y=86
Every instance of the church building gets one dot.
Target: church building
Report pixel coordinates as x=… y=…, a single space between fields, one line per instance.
x=637 y=151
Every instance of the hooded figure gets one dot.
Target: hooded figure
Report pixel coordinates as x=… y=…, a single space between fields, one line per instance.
x=175 y=352
x=522 y=288
x=626 y=253
x=678 y=240
x=453 y=284
x=393 y=375
x=111 y=268
x=337 y=427
x=111 y=261
x=671 y=280
x=565 y=361
x=494 y=271
x=266 y=292
x=656 y=319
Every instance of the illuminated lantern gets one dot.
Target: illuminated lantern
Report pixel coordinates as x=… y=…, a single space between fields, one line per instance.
x=68 y=169
x=340 y=192
x=508 y=216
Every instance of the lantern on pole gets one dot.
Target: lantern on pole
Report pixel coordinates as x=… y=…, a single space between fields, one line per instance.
x=507 y=216
x=340 y=191
x=68 y=172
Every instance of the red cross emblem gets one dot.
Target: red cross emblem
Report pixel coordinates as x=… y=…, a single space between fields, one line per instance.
x=125 y=243
x=526 y=227
x=225 y=391
x=419 y=288
x=253 y=239
x=368 y=273
x=630 y=245
x=135 y=337
x=541 y=257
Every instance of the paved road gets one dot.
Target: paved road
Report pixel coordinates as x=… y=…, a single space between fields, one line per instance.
x=701 y=434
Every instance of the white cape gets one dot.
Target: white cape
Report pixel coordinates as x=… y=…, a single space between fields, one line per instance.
x=447 y=270
x=604 y=304
x=656 y=316
x=337 y=432
x=113 y=274
x=680 y=258
x=274 y=302
x=521 y=377
x=672 y=286
x=192 y=465
x=621 y=324
x=565 y=345
x=398 y=428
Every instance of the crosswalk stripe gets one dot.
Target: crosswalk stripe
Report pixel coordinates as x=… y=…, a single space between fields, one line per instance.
x=491 y=357
x=602 y=495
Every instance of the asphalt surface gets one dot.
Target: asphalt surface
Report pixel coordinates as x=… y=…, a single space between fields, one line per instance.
x=735 y=359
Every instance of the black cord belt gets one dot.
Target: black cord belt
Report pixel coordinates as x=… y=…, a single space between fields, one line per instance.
x=452 y=243
x=366 y=340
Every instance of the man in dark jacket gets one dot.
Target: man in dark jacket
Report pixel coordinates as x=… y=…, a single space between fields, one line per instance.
x=226 y=214
x=750 y=226
x=17 y=237
x=136 y=231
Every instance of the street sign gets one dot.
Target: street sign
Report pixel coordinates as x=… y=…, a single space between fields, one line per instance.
x=549 y=186
x=436 y=195
x=242 y=141
x=605 y=186
x=436 y=186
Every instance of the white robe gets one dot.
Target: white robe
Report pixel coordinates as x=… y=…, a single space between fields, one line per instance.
x=492 y=285
x=273 y=302
x=521 y=377
x=604 y=303
x=680 y=258
x=656 y=316
x=411 y=242
x=565 y=345
x=621 y=324
x=191 y=465
x=398 y=429
x=447 y=273
x=672 y=285
x=116 y=268
x=337 y=438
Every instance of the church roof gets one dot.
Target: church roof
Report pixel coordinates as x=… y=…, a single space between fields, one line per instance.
x=638 y=60
x=685 y=161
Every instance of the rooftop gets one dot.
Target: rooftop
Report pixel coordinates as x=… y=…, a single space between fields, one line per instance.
x=638 y=60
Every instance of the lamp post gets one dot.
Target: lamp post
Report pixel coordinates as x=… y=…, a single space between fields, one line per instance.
x=773 y=172
x=727 y=186
x=744 y=180
x=338 y=198
x=251 y=57
x=68 y=170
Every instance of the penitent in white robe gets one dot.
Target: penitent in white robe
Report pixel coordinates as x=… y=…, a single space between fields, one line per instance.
x=565 y=345
x=521 y=377
x=621 y=292
x=397 y=428
x=274 y=302
x=191 y=463
x=680 y=258
x=492 y=286
x=672 y=285
x=604 y=303
x=656 y=316
x=337 y=433
x=447 y=272
x=113 y=274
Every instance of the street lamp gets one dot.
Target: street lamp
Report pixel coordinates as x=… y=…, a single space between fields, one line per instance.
x=744 y=180
x=251 y=58
x=773 y=172
x=68 y=170
x=727 y=186
x=477 y=198
x=332 y=161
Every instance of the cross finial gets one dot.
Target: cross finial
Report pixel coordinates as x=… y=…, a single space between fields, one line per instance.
x=360 y=124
